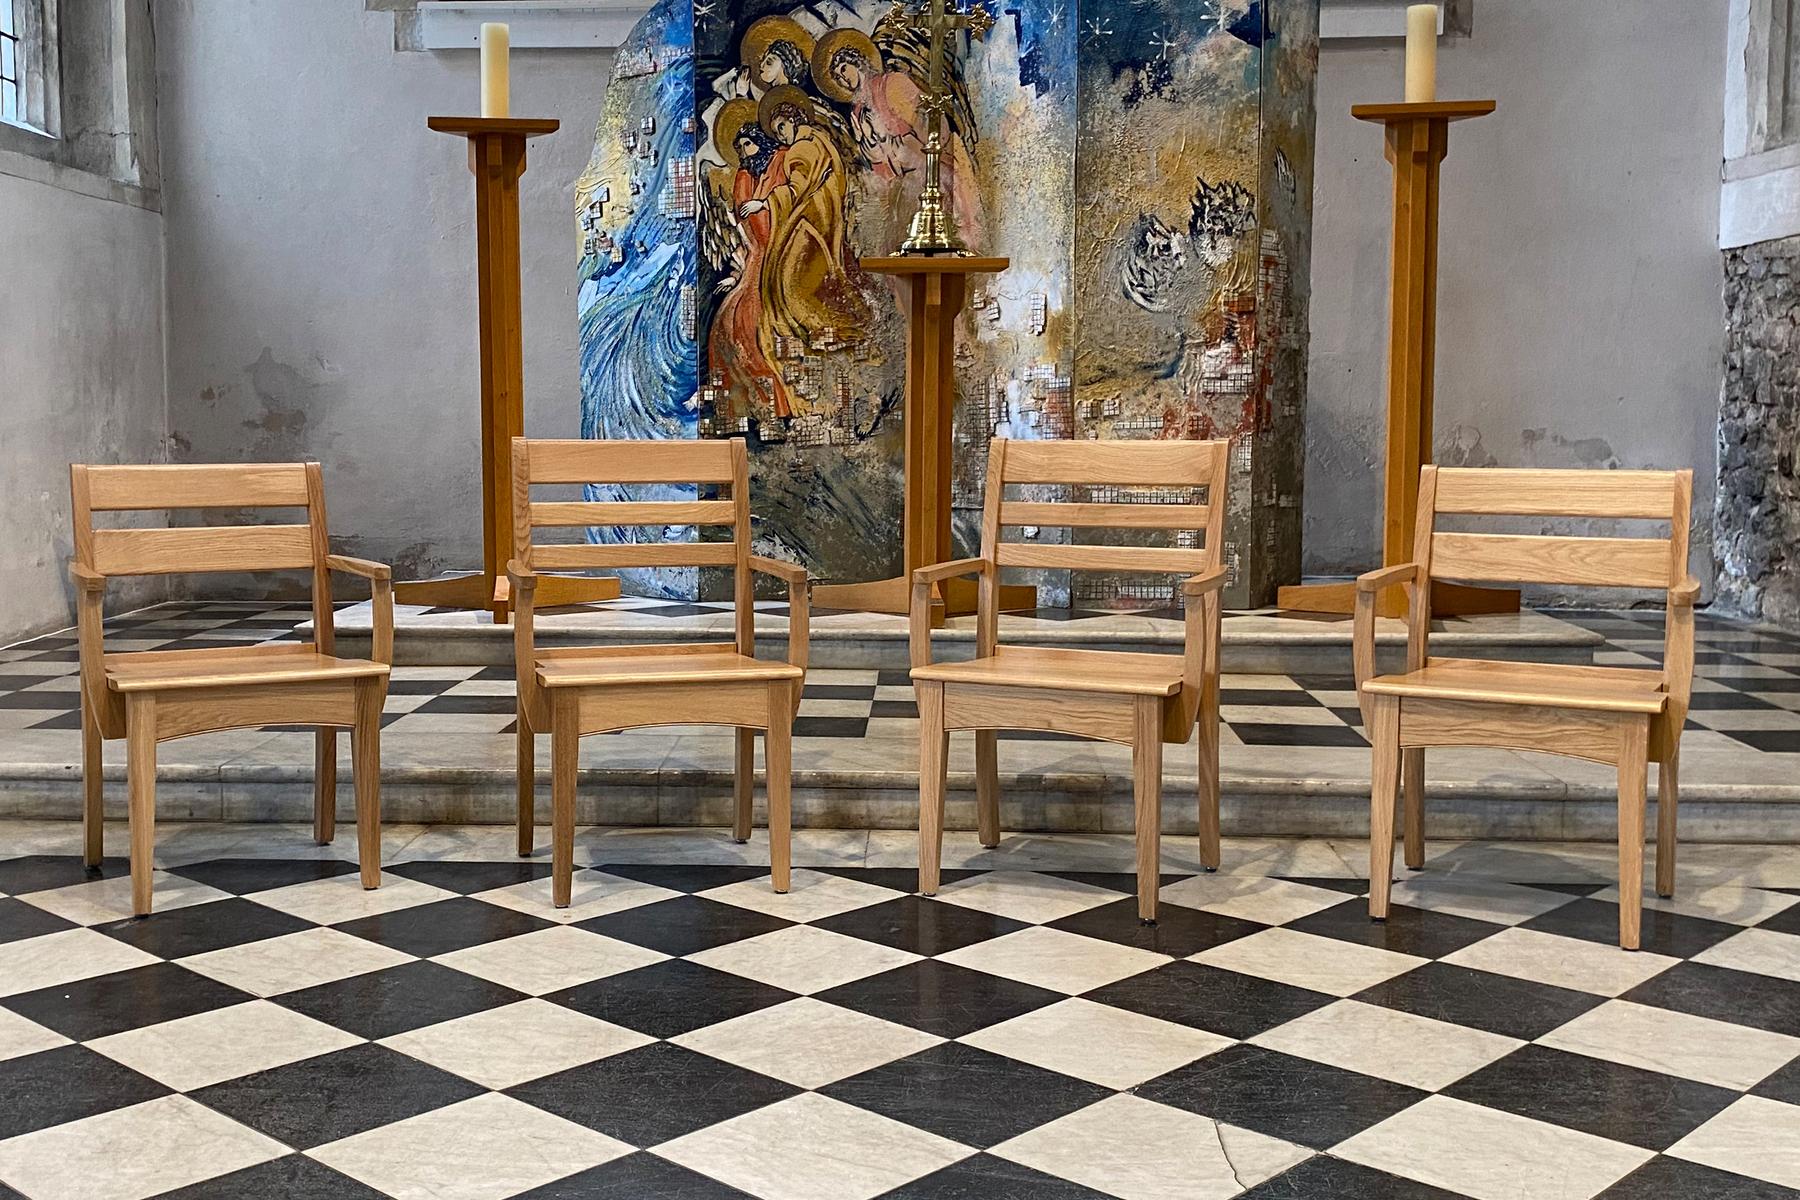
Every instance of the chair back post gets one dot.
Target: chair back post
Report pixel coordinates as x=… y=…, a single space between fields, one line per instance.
x=1678 y=619
x=743 y=583
x=1418 y=592
x=324 y=626
x=89 y=602
x=523 y=610
x=987 y=596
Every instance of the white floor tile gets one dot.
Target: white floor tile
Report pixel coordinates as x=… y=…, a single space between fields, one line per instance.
x=1025 y=895
x=1388 y=1044
x=51 y=959
x=803 y=958
x=807 y=1042
x=1660 y=1039
x=1567 y=962
x=811 y=895
x=102 y=900
x=19 y=1037
x=343 y=897
x=501 y=1047
x=1096 y=1042
x=1754 y=1136
x=1307 y=960
x=294 y=961
x=1051 y=958
x=591 y=894
x=210 y=1047
x=1764 y=951
x=548 y=960
x=1251 y=897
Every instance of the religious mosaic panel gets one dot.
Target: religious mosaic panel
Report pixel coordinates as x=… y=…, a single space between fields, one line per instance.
x=1126 y=156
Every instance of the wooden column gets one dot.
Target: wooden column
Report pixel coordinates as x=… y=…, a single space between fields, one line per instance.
x=937 y=285
x=1418 y=137
x=497 y=159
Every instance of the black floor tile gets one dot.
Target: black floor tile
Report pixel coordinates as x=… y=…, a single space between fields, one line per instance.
x=830 y=727
x=984 y=1177
x=638 y=1176
x=471 y=877
x=19 y=920
x=1325 y=1178
x=1785 y=921
x=1331 y=883
x=838 y=691
x=684 y=925
x=197 y=928
x=965 y=1094
x=1258 y=734
x=53 y=1087
x=244 y=876
x=682 y=877
x=1178 y=931
x=66 y=720
x=1732 y=701
x=1783 y=1085
x=894 y=708
x=894 y=677
x=466 y=705
x=41 y=872
x=1279 y=697
x=664 y=1091
x=899 y=879
x=1760 y=1001
x=295 y=1177
x=920 y=925
x=108 y=1004
x=1675 y=1179
x=667 y=999
x=1663 y=932
x=427 y=930
x=1769 y=741
x=1220 y=1001
x=412 y=995
x=420 y=687
x=332 y=1096
x=940 y=998
x=1607 y=1099
x=1407 y=930
x=1481 y=1000
x=1284 y=1096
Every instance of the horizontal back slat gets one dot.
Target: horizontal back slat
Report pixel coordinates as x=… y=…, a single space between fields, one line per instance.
x=1103 y=516
x=1594 y=561
x=578 y=460
x=635 y=554
x=1166 y=463
x=1101 y=558
x=249 y=485
x=661 y=512
x=1556 y=493
x=217 y=548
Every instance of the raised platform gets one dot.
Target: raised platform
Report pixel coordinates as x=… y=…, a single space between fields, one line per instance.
x=1261 y=642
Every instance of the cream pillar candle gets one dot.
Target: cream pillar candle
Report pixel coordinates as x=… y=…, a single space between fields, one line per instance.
x=496 y=40
x=1421 y=53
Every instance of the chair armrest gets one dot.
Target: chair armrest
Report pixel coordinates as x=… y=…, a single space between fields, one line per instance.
x=790 y=573
x=359 y=566
x=1195 y=586
x=86 y=578
x=919 y=604
x=1374 y=581
x=523 y=578
x=799 y=608
x=1685 y=593
x=948 y=570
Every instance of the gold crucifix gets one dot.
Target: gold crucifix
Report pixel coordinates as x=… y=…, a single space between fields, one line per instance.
x=932 y=231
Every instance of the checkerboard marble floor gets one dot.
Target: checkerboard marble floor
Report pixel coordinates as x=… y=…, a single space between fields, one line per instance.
x=275 y=1031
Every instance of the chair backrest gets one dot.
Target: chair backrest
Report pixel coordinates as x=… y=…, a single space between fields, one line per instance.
x=711 y=464
x=303 y=545
x=1174 y=486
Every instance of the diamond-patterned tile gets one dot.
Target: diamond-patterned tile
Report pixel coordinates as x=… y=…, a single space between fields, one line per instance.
x=1110 y=1046
x=807 y=1042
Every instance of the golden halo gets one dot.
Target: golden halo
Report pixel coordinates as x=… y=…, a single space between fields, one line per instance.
x=774 y=98
x=733 y=116
x=767 y=31
x=829 y=45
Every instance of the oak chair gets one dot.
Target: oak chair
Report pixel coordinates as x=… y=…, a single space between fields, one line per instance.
x=1138 y=700
x=151 y=696
x=1620 y=716
x=570 y=692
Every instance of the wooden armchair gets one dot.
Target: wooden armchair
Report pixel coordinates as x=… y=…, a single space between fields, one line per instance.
x=574 y=691
x=154 y=695
x=1615 y=715
x=1139 y=700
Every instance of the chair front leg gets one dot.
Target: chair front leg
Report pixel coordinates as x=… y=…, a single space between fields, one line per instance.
x=1384 y=733
x=987 y=787
x=93 y=786
x=140 y=776
x=365 y=770
x=933 y=751
x=743 y=784
x=1412 y=793
x=565 y=747
x=324 y=785
x=525 y=766
x=1146 y=790
x=1668 y=799
x=779 y=755
x=1634 y=771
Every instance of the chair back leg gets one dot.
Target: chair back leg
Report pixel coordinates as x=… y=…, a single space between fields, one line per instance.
x=1668 y=800
x=987 y=786
x=1206 y=736
x=1384 y=732
x=1412 y=791
x=1634 y=769
x=324 y=785
x=1146 y=789
x=933 y=750
x=779 y=755
x=365 y=770
x=93 y=787
x=525 y=754
x=565 y=747
x=743 y=784
x=140 y=775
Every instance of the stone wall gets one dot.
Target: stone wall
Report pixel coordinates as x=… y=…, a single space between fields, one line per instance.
x=1757 y=531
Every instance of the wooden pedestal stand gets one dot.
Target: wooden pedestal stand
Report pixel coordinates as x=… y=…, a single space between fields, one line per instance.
x=497 y=159
x=1418 y=136
x=937 y=285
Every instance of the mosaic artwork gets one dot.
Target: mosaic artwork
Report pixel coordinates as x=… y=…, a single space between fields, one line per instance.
x=1125 y=156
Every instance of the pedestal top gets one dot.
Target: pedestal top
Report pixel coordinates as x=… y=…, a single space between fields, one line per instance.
x=1442 y=110
x=470 y=126
x=934 y=264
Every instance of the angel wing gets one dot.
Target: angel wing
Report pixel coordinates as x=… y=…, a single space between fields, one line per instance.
x=908 y=47
x=723 y=246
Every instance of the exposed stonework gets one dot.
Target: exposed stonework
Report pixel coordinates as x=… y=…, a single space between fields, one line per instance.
x=1757 y=521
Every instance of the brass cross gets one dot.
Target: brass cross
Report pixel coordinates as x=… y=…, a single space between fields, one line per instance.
x=932 y=230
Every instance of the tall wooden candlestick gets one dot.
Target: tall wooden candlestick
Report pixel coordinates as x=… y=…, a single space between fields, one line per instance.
x=1418 y=137
x=497 y=159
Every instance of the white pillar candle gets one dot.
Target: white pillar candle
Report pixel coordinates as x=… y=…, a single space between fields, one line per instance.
x=496 y=40
x=1421 y=53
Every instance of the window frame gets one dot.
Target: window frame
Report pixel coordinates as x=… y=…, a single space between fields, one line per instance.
x=36 y=62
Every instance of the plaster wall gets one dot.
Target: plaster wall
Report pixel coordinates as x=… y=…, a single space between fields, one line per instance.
x=1580 y=316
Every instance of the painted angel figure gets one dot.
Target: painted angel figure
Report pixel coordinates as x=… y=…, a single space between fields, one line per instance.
x=741 y=344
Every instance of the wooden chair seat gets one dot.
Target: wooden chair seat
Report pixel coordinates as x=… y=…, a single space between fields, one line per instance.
x=646 y=666
x=164 y=670
x=1602 y=689
x=1119 y=673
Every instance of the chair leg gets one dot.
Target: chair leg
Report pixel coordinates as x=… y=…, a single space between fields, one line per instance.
x=324 y=785
x=1668 y=800
x=93 y=787
x=1207 y=736
x=365 y=773
x=1634 y=770
x=565 y=746
x=1412 y=793
x=1383 y=792
x=743 y=784
x=987 y=787
x=525 y=765
x=933 y=750
x=778 y=750
x=140 y=776
x=1146 y=789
